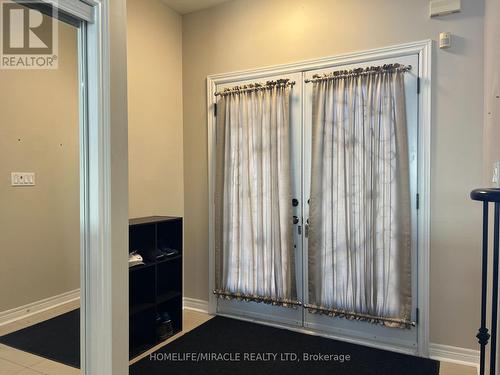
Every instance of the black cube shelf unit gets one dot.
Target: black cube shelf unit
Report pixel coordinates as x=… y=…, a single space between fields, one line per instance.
x=156 y=286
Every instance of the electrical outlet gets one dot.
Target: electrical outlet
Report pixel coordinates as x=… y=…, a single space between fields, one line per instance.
x=22 y=178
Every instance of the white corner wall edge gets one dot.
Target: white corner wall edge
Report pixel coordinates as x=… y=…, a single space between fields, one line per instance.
x=194 y=304
x=22 y=312
x=453 y=354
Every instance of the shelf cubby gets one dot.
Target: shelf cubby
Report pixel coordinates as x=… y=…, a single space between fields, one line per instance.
x=156 y=286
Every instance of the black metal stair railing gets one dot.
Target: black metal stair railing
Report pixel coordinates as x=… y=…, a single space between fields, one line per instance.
x=487 y=196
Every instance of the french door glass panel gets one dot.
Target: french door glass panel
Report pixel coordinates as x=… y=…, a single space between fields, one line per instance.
x=341 y=326
x=262 y=311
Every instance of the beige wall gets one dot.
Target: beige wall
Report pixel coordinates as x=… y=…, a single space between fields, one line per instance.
x=154 y=42
x=247 y=34
x=491 y=87
x=39 y=225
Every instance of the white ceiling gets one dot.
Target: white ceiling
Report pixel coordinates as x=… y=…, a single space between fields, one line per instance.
x=188 y=6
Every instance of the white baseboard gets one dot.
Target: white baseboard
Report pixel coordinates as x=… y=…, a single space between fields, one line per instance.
x=195 y=304
x=453 y=354
x=22 y=312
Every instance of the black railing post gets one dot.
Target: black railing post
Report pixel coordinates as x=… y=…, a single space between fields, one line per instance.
x=487 y=196
x=494 y=302
x=483 y=335
x=494 y=294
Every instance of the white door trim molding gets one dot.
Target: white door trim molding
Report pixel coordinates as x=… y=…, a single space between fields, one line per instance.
x=424 y=191
x=96 y=201
x=103 y=219
x=423 y=49
x=105 y=216
x=75 y=8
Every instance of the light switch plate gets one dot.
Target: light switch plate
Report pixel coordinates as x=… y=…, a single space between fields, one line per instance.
x=22 y=178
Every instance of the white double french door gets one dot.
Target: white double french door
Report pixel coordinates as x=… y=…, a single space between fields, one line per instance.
x=300 y=142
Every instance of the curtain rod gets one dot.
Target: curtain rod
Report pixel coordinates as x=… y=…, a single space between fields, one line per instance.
x=256 y=87
x=386 y=68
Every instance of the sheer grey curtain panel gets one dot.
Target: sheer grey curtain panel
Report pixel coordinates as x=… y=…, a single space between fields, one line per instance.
x=253 y=230
x=360 y=231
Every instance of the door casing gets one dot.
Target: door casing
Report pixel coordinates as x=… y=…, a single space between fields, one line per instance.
x=103 y=215
x=422 y=50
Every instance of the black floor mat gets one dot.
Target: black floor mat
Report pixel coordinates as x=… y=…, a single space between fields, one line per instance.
x=229 y=346
x=57 y=339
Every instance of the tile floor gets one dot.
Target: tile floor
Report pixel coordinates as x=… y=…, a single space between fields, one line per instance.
x=16 y=362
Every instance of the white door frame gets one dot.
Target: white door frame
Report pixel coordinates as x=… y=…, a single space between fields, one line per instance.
x=423 y=49
x=101 y=352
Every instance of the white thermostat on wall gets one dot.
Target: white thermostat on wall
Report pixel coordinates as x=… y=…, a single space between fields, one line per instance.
x=22 y=178
x=445 y=40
